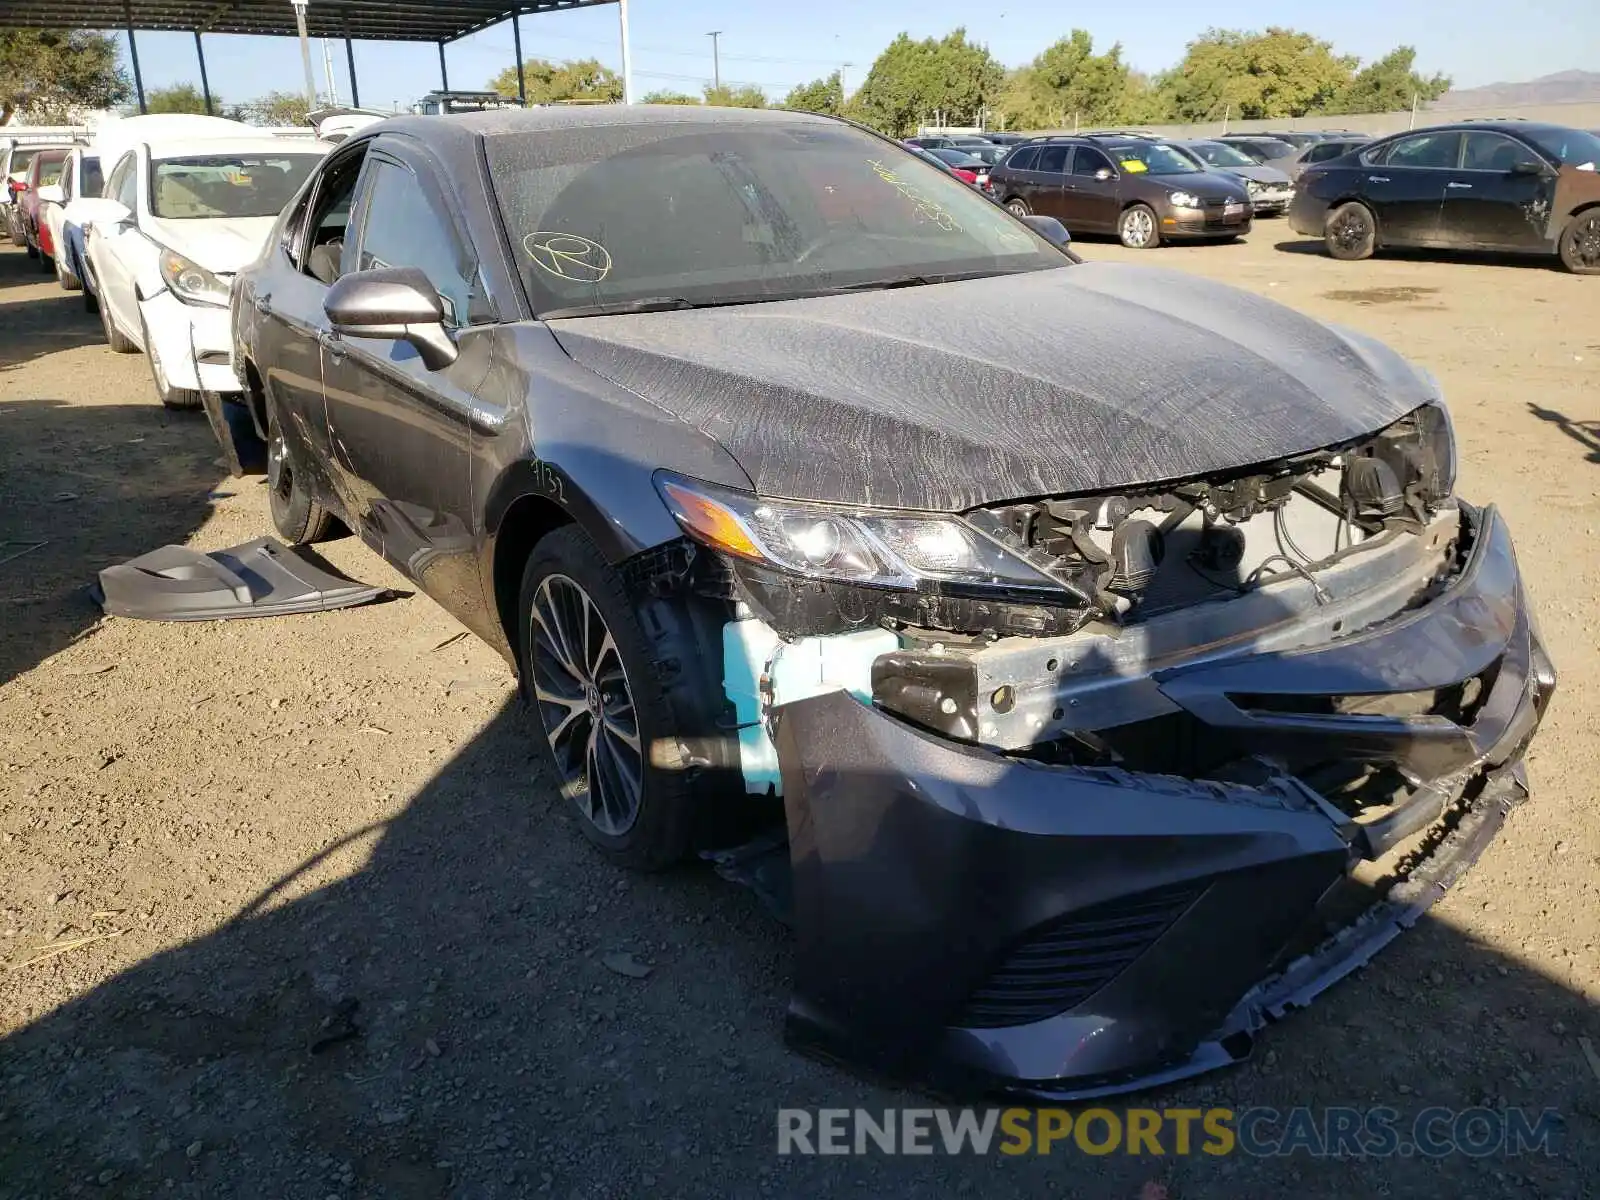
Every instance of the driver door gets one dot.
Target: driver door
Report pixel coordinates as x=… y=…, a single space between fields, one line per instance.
x=1090 y=200
x=401 y=433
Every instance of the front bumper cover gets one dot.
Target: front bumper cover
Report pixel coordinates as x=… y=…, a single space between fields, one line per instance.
x=979 y=922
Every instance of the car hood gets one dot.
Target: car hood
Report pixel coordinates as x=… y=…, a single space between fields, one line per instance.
x=952 y=395
x=1261 y=173
x=221 y=245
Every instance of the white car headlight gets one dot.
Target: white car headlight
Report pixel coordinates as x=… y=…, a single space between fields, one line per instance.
x=192 y=283
x=1254 y=186
x=872 y=547
x=1185 y=200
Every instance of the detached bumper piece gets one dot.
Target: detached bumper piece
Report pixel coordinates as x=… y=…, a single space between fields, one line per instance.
x=261 y=578
x=980 y=922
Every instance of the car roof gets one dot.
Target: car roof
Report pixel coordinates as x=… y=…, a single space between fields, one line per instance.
x=502 y=122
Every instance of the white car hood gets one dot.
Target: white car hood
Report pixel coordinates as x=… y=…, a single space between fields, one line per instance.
x=221 y=245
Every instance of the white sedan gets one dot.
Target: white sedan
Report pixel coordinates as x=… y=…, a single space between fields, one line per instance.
x=178 y=220
x=62 y=210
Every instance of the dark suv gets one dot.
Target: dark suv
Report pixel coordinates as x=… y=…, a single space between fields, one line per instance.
x=1143 y=191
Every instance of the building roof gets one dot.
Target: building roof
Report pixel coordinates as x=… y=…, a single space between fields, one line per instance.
x=373 y=20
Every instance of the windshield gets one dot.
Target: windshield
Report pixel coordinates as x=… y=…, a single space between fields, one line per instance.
x=605 y=216
x=93 y=182
x=1572 y=147
x=22 y=158
x=1269 y=148
x=1153 y=158
x=50 y=164
x=1220 y=154
x=227 y=185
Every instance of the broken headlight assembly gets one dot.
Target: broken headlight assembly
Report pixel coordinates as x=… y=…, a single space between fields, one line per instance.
x=871 y=548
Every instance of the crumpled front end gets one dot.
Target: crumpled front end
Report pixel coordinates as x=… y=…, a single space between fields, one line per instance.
x=1070 y=865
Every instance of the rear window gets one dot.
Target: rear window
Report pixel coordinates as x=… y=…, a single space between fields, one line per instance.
x=50 y=163
x=93 y=181
x=1573 y=147
x=1021 y=160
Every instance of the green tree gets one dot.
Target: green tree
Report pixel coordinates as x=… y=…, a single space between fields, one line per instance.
x=275 y=108
x=50 y=75
x=910 y=81
x=1388 y=85
x=551 y=82
x=669 y=97
x=744 y=96
x=818 y=96
x=1278 y=73
x=1069 y=82
x=179 y=98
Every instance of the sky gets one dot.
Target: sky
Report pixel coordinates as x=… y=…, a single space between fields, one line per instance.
x=779 y=45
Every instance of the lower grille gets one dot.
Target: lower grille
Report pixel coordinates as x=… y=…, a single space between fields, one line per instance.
x=1061 y=963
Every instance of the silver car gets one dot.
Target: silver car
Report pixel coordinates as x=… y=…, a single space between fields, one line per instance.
x=1270 y=189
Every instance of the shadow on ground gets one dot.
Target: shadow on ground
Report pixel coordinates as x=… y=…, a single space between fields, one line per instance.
x=1585 y=433
x=33 y=326
x=1482 y=258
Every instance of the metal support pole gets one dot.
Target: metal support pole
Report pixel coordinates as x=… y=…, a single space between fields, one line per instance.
x=627 y=54
x=716 y=59
x=444 y=71
x=305 y=52
x=133 y=53
x=516 y=40
x=350 y=59
x=205 y=83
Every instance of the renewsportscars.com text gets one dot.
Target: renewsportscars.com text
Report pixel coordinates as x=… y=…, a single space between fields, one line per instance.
x=1333 y=1132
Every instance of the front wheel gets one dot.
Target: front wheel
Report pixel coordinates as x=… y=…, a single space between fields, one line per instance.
x=1351 y=232
x=595 y=688
x=1580 y=243
x=1137 y=228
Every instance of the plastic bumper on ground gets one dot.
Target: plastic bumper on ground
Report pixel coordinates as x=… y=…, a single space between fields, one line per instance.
x=192 y=342
x=977 y=922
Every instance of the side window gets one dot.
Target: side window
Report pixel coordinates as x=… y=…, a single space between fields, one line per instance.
x=125 y=182
x=1022 y=160
x=402 y=228
x=66 y=184
x=1321 y=151
x=318 y=231
x=1053 y=160
x=1425 y=150
x=1088 y=160
x=1494 y=152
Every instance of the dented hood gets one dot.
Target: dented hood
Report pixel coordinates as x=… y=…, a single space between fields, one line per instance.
x=952 y=395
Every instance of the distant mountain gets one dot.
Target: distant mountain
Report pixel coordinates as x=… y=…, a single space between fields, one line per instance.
x=1564 y=87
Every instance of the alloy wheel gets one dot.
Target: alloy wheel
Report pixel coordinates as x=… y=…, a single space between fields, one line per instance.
x=1586 y=243
x=1349 y=229
x=586 y=705
x=1138 y=227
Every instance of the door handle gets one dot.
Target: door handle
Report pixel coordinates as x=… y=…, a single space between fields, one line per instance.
x=262 y=302
x=1458 y=185
x=1377 y=179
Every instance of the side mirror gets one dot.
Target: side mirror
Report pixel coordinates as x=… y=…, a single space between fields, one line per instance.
x=1104 y=174
x=1050 y=229
x=395 y=303
x=1525 y=167
x=51 y=193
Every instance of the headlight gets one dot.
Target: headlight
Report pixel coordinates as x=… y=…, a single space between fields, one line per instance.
x=1254 y=186
x=192 y=283
x=1185 y=200
x=872 y=547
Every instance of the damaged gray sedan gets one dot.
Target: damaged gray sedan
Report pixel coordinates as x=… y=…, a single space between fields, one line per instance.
x=1108 y=647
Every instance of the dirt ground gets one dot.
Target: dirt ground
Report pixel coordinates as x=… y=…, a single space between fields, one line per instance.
x=345 y=944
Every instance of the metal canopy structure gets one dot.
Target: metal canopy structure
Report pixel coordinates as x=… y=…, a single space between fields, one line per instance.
x=437 y=21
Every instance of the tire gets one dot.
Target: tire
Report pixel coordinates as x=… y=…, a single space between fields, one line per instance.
x=114 y=337
x=91 y=303
x=1018 y=207
x=47 y=264
x=1350 y=232
x=176 y=398
x=638 y=815
x=1580 y=243
x=70 y=281
x=33 y=251
x=1138 y=229
x=298 y=518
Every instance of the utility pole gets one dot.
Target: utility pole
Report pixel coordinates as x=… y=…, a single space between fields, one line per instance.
x=305 y=51
x=627 y=53
x=716 y=60
x=1413 y=110
x=844 y=87
x=327 y=69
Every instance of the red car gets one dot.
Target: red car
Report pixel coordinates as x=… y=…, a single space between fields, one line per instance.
x=44 y=169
